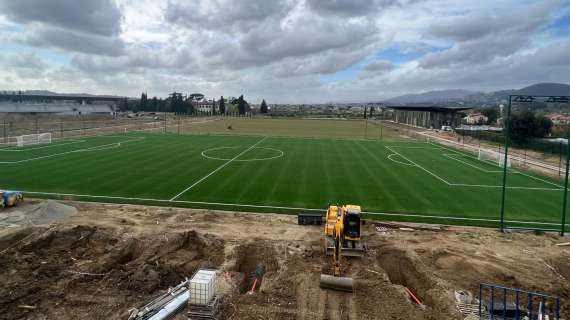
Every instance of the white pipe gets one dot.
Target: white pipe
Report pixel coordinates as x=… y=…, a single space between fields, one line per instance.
x=172 y=307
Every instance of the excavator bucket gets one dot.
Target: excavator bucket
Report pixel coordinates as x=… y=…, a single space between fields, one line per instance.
x=336 y=283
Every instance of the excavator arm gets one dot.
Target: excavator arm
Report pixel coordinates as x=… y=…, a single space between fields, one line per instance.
x=335 y=281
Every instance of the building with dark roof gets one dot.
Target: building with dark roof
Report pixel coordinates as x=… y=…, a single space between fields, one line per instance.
x=427 y=116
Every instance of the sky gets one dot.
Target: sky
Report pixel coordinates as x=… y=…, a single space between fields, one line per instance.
x=284 y=51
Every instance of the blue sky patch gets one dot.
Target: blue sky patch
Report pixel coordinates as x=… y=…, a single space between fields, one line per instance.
x=46 y=54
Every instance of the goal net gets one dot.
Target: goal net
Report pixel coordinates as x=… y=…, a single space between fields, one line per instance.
x=29 y=139
x=494 y=156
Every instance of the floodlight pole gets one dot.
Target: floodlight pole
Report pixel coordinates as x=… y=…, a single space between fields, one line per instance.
x=565 y=200
x=505 y=161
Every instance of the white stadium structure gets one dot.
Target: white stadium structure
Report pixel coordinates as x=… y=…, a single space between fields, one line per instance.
x=59 y=104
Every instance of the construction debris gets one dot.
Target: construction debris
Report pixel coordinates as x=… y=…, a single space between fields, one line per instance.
x=203 y=303
x=139 y=262
x=466 y=305
x=23 y=306
x=413 y=297
x=406 y=226
x=564 y=244
x=165 y=305
x=209 y=311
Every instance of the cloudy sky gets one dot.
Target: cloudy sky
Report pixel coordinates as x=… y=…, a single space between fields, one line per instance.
x=282 y=50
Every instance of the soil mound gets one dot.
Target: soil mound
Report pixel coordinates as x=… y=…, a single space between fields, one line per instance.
x=34 y=213
x=70 y=263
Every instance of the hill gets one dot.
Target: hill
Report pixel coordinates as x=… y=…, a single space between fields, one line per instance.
x=433 y=96
x=546 y=89
x=482 y=98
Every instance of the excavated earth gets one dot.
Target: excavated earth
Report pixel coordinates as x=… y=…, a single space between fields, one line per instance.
x=104 y=260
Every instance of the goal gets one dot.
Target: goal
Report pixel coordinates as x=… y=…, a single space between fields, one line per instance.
x=29 y=139
x=494 y=156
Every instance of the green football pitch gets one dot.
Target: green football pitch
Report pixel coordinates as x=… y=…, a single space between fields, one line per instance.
x=402 y=180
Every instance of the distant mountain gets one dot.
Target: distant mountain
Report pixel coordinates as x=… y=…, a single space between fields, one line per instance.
x=441 y=96
x=546 y=89
x=490 y=98
x=481 y=98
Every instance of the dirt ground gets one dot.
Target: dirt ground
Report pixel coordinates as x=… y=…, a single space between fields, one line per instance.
x=104 y=260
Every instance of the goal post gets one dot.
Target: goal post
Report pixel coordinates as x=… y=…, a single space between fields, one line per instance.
x=493 y=156
x=31 y=139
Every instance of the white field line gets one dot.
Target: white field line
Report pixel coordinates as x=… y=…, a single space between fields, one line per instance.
x=451 y=156
x=491 y=186
x=204 y=154
x=217 y=169
x=68 y=152
x=512 y=157
x=417 y=165
x=223 y=204
x=317 y=139
x=51 y=145
x=539 y=179
x=400 y=162
x=511 y=170
x=412 y=147
x=472 y=185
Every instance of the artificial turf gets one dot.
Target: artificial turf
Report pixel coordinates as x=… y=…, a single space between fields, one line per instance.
x=229 y=172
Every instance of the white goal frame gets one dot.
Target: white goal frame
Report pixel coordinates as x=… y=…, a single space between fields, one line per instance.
x=32 y=139
x=493 y=156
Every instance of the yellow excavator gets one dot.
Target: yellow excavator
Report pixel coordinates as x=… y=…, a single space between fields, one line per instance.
x=349 y=218
x=342 y=235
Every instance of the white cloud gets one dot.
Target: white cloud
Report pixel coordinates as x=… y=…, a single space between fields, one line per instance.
x=279 y=49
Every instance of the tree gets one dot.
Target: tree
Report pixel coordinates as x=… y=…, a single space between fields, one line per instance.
x=241 y=105
x=155 y=104
x=222 y=105
x=371 y=112
x=213 y=107
x=491 y=113
x=177 y=104
x=365 y=112
x=526 y=126
x=143 y=102
x=542 y=126
x=263 y=108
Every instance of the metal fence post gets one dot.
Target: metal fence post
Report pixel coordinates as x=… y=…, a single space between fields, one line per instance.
x=565 y=200
x=517 y=302
x=506 y=134
x=480 y=300
x=492 y=302
x=504 y=303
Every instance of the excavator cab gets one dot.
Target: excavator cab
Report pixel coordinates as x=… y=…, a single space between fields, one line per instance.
x=352 y=225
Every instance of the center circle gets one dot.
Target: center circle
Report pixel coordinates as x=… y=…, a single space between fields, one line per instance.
x=266 y=153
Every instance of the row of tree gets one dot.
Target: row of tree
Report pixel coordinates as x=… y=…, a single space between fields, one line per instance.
x=180 y=104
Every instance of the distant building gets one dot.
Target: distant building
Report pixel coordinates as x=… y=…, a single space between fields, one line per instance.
x=558 y=119
x=476 y=118
x=59 y=104
x=427 y=116
x=204 y=106
x=357 y=109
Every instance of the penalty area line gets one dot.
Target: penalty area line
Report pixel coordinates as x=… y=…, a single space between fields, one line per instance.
x=417 y=165
x=222 y=204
